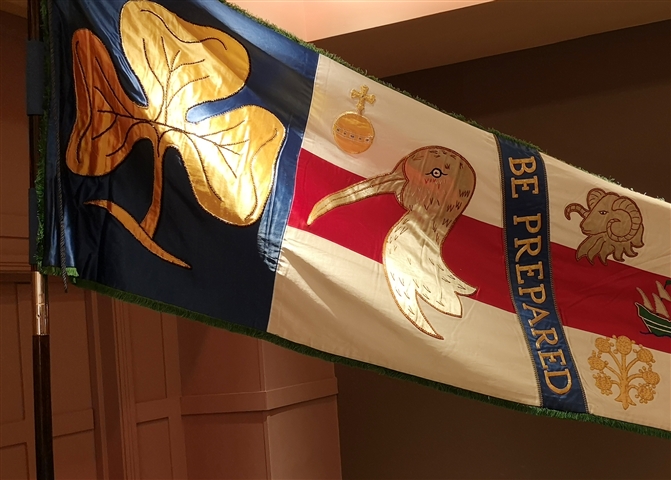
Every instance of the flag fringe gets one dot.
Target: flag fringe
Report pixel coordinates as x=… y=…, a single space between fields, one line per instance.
x=387 y=372
x=40 y=174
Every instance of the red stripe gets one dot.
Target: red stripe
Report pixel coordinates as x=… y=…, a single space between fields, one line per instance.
x=602 y=298
x=595 y=298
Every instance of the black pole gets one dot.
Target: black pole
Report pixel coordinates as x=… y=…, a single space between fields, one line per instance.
x=44 y=451
x=44 y=445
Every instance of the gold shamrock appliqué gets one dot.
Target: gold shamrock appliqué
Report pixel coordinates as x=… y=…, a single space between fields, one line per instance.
x=229 y=158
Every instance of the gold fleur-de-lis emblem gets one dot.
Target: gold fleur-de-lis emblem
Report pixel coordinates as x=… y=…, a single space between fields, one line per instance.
x=352 y=131
x=643 y=382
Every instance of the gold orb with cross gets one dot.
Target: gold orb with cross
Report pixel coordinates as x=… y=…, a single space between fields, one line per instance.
x=352 y=131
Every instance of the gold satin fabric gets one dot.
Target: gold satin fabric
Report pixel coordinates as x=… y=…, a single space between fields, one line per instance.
x=230 y=158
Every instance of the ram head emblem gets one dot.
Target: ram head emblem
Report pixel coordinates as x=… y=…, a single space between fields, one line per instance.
x=613 y=225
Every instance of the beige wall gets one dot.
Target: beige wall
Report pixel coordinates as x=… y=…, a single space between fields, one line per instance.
x=602 y=103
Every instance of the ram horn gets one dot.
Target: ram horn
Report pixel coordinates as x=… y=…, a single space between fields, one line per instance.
x=575 y=207
x=625 y=211
x=593 y=196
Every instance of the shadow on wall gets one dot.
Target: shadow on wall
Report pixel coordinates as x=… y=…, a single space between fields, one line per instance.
x=392 y=429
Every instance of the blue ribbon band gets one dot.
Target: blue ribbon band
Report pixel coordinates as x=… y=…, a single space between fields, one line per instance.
x=529 y=265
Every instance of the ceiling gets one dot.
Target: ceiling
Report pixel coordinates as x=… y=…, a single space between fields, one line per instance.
x=486 y=29
x=389 y=37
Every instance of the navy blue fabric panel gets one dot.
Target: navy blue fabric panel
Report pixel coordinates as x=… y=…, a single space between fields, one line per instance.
x=526 y=224
x=232 y=268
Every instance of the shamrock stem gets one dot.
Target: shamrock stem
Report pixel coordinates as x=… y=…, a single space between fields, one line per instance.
x=150 y=220
x=134 y=229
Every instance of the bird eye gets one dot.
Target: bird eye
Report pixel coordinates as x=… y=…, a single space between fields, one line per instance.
x=436 y=173
x=603 y=212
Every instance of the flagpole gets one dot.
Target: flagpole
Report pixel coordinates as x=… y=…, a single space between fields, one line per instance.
x=44 y=454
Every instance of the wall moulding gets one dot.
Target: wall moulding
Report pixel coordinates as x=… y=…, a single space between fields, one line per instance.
x=264 y=400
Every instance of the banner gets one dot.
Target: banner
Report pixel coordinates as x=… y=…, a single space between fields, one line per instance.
x=213 y=167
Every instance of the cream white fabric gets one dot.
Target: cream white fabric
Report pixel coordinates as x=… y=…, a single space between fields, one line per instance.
x=332 y=299
x=344 y=307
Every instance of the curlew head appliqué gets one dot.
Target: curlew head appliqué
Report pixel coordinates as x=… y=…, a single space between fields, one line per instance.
x=434 y=184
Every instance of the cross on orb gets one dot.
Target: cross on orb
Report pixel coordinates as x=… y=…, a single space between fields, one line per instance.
x=363 y=98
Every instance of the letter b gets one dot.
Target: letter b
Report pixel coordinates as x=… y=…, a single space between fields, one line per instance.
x=521 y=165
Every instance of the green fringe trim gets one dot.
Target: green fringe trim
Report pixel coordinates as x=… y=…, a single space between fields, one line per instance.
x=305 y=350
x=260 y=334
x=40 y=176
x=71 y=272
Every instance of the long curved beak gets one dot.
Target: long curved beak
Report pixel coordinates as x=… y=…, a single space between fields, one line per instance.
x=392 y=182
